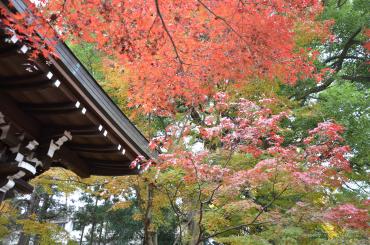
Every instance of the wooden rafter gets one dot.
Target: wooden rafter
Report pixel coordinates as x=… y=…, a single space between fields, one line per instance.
x=86 y=131
x=52 y=108
x=93 y=148
x=18 y=117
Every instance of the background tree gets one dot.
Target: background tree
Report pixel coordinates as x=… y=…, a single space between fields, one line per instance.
x=36 y=218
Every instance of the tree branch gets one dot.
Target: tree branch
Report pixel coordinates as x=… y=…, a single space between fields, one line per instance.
x=337 y=65
x=346 y=57
x=218 y=17
x=313 y=90
x=252 y=223
x=361 y=79
x=175 y=49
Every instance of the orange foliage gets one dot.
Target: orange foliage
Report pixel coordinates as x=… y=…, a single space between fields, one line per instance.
x=178 y=52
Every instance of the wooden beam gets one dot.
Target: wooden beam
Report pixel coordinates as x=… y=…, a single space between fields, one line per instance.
x=57 y=165
x=113 y=172
x=22 y=186
x=24 y=79
x=72 y=161
x=8 y=52
x=107 y=162
x=52 y=108
x=121 y=165
x=19 y=118
x=10 y=135
x=85 y=131
x=37 y=85
x=27 y=82
x=8 y=168
x=110 y=167
x=94 y=148
x=10 y=194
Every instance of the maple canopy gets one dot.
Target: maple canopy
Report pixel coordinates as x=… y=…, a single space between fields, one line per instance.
x=178 y=52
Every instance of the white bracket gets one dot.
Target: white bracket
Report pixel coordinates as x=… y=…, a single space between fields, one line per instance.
x=54 y=146
x=27 y=166
x=9 y=185
x=36 y=161
x=19 y=157
x=32 y=145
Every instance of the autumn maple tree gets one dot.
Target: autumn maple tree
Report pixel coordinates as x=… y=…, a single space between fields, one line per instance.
x=245 y=171
x=228 y=168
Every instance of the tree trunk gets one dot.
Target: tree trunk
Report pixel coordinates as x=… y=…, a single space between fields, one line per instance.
x=105 y=232
x=100 y=232
x=82 y=235
x=150 y=236
x=94 y=223
x=193 y=228
x=43 y=212
x=24 y=239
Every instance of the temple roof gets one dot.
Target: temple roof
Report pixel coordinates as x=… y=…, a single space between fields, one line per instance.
x=57 y=101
